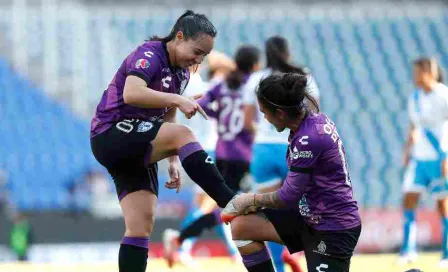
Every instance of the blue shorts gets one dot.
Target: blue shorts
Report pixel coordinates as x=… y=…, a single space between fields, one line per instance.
x=425 y=176
x=268 y=166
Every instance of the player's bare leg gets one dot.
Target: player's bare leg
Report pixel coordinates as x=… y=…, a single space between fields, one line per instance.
x=250 y=243
x=408 y=250
x=442 y=207
x=138 y=211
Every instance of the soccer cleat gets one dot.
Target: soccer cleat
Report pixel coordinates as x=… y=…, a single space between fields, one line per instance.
x=443 y=263
x=292 y=260
x=171 y=246
x=229 y=212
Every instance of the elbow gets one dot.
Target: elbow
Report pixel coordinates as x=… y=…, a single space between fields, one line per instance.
x=128 y=96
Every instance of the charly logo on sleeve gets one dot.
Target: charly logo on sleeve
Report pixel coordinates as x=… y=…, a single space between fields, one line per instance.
x=296 y=154
x=142 y=63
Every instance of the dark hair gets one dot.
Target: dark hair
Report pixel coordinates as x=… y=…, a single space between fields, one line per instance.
x=191 y=24
x=245 y=58
x=286 y=92
x=430 y=65
x=277 y=53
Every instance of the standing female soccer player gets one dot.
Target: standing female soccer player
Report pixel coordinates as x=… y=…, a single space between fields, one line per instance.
x=314 y=210
x=133 y=130
x=425 y=153
x=268 y=168
x=233 y=149
x=218 y=66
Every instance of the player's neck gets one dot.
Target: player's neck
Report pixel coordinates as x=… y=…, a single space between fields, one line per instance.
x=427 y=88
x=294 y=124
x=171 y=56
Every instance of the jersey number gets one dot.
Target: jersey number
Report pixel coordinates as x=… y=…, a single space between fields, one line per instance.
x=232 y=110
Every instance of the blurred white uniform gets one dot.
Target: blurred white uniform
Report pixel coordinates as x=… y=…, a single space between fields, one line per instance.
x=428 y=113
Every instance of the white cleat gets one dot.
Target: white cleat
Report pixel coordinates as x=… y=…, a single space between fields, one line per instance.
x=443 y=263
x=171 y=246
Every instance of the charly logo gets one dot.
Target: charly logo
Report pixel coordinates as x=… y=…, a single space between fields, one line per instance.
x=303 y=140
x=209 y=160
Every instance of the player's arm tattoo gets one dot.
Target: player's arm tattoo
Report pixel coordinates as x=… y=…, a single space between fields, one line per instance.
x=269 y=200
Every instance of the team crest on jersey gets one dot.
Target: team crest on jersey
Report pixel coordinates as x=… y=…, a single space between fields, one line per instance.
x=144 y=126
x=142 y=63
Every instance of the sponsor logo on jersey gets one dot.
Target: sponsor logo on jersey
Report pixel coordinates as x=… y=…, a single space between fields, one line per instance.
x=296 y=154
x=142 y=63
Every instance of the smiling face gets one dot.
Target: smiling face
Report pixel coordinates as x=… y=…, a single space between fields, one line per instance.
x=190 y=52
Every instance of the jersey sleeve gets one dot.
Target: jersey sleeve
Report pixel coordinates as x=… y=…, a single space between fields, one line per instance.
x=304 y=153
x=144 y=64
x=411 y=108
x=313 y=89
x=249 y=90
x=207 y=101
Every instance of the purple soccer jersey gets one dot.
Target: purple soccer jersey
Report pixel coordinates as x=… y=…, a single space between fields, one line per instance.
x=325 y=197
x=150 y=62
x=234 y=143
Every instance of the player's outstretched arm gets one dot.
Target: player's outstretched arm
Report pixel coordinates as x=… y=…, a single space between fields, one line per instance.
x=137 y=94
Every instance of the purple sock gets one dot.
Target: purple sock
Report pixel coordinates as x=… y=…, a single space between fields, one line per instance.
x=136 y=241
x=256 y=258
x=189 y=149
x=217 y=214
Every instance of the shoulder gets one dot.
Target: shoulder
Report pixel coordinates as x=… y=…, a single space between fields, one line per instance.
x=441 y=90
x=316 y=132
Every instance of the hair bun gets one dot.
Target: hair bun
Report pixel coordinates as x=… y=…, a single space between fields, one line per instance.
x=296 y=84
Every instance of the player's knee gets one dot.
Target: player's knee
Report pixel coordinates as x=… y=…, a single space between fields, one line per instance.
x=238 y=228
x=410 y=201
x=142 y=225
x=183 y=135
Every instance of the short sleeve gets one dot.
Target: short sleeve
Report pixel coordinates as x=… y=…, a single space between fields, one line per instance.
x=313 y=89
x=144 y=64
x=304 y=151
x=249 y=90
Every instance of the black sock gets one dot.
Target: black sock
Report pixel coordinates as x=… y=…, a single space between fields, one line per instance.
x=258 y=262
x=207 y=221
x=202 y=170
x=133 y=254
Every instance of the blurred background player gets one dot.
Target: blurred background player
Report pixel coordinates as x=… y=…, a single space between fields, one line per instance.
x=216 y=66
x=268 y=168
x=233 y=149
x=134 y=128
x=314 y=210
x=425 y=153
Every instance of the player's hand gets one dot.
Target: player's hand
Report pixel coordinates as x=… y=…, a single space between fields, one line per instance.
x=239 y=205
x=244 y=203
x=189 y=106
x=175 y=180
